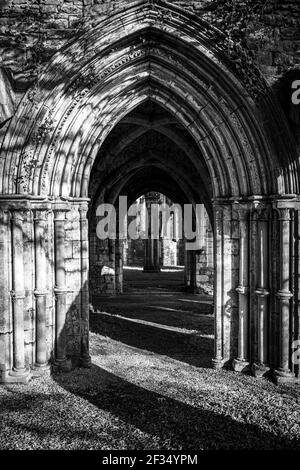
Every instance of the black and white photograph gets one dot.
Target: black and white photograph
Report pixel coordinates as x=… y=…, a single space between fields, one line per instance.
x=149 y=229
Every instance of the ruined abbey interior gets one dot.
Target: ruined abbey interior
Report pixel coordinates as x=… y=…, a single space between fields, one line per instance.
x=191 y=100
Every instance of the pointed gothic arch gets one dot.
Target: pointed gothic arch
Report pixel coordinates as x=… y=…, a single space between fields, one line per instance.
x=156 y=51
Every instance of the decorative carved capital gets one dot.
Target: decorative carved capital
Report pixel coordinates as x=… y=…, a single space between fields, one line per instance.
x=83 y=210
x=241 y=211
x=59 y=215
x=219 y=211
x=17 y=216
x=261 y=210
x=40 y=215
x=284 y=214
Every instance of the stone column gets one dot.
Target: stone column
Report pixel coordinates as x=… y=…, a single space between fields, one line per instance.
x=19 y=373
x=85 y=355
x=242 y=360
x=218 y=290
x=297 y=283
x=260 y=367
x=283 y=373
x=6 y=327
x=187 y=268
x=60 y=290
x=40 y=221
x=152 y=246
x=230 y=282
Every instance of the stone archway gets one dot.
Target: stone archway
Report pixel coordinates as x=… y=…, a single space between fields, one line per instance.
x=148 y=150
x=238 y=146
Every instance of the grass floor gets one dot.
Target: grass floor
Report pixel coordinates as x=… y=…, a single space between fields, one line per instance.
x=150 y=387
x=137 y=399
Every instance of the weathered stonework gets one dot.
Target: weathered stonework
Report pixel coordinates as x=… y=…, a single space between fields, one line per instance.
x=101 y=99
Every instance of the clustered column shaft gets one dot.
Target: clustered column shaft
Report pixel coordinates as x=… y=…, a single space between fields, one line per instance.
x=243 y=291
x=284 y=296
x=60 y=290
x=218 y=291
x=261 y=366
x=40 y=292
x=85 y=356
x=19 y=372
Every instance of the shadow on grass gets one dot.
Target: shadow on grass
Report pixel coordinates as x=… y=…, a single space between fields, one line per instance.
x=176 y=425
x=135 y=280
x=192 y=348
x=168 y=311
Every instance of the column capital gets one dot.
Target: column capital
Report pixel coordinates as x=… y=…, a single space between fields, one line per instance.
x=17 y=214
x=83 y=210
x=219 y=210
x=59 y=214
x=40 y=215
x=242 y=211
x=284 y=213
x=261 y=210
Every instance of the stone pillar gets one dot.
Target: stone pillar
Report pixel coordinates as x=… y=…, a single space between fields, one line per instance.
x=242 y=360
x=152 y=246
x=218 y=290
x=283 y=373
x=230 y=282
x=40 y=222
x=19 y=373
x=60 y=290
x=187 y=268
x=260 y=367
x=6 y=327
x=297 y=283
x=85 y=355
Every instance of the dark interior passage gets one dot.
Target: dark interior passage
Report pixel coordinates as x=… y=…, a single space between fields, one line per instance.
x=169 y=279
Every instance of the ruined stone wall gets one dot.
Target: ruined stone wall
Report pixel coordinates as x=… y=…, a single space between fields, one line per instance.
x=31 y=31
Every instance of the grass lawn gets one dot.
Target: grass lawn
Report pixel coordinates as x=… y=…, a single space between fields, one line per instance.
x=136 y=399
x=151 y=386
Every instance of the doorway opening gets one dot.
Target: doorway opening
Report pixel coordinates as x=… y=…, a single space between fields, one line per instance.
x=152 y=288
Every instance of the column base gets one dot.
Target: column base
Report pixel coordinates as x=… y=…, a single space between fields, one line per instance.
x=16 y=376
x=240 y=366
x=285 y=377
x=259 y=370
x=217 y=363
x=86 y=362
x=41 y=370
x=64 y=365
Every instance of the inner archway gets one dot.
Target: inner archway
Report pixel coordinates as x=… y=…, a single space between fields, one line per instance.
x=156 y=263
x=148 y=152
